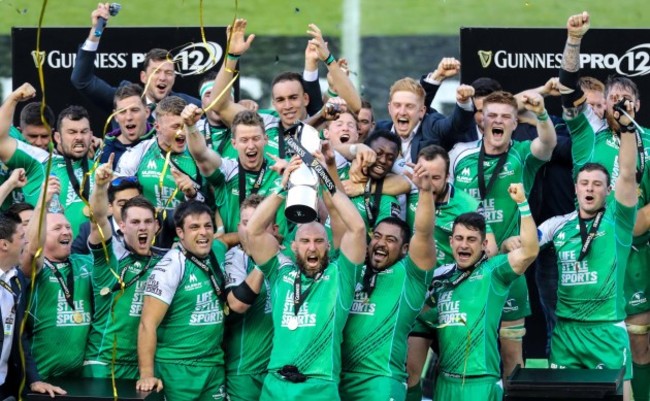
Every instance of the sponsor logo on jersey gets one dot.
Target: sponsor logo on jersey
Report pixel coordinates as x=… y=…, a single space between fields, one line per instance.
x=507 y=170
x=465 y=176
x=361 y=304
x=510 y=306
x=575 y=273
x=305 y=319
x=138 y=298
x=151 y=165
x=449 y=313
x=207 y=311
x=638 y=298
x=560 y=236
x=491 y=213
x=65 y=314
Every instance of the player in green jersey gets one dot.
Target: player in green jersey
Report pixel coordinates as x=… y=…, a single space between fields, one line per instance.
x=468 y=296
x=73 y=137
x=183 y=314
x=249 y=331
x=165 y=153
x=597 y=140
x=389 y=295
x=289 y=98
x=449 y=205
x=119 y=275
x=234 y=180
x=15 y=154
x=485 y=169
x=310 y=298
x=62 y=299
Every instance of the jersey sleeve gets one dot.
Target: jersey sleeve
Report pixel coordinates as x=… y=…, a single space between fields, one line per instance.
x=624 y=219
x=388 y=207
x=105 y=271
x=583 y=131
x=271 y=268
x=347 y=272
x=166 y=276
x=27 y=157
x=547 y=230
x=531 y=164
x=129 y=163
x=227 y=169
x=417 y=282
x=503 y=273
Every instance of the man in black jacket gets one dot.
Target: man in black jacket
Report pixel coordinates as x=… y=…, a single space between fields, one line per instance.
x=157 y=75
x=13 y=303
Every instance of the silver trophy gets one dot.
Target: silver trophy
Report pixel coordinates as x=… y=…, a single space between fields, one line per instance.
x=302 y=196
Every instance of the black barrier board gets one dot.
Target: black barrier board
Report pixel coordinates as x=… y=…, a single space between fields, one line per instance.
x=523 y=58
x=119 y=57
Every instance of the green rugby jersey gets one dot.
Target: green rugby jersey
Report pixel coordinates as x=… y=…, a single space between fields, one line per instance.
x=128 y=305
x=58 y=338
x=376 y=333
x=72 y=204
x=192 y=330
x=469 y=316
x=591 y=290
x=248 y=338
x=593 y=142
x=218 y=138
x=31 y=159
x=446 y=212
x=273 y=129
x=500 y=211
x=314 y=347
x=146 y=160
x=225 y=180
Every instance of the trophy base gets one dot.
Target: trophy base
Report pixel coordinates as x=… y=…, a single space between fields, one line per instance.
x=300 y=214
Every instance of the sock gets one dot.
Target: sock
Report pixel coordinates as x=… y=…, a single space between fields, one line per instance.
x=414 y=393
x=641 y=382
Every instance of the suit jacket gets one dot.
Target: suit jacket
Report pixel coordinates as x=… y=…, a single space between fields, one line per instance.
x=19 y=285
x=436 y=129
x=96 y=89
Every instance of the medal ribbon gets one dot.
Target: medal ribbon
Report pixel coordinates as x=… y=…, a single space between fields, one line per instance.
x=482 y=189
x=587 y=239
x=242 y=180
x=300 y=297
x=218 y=289
x=67 y=285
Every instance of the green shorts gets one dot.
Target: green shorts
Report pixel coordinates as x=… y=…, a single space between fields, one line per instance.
x=486 y=388
x=244 y=387
x=277 y=388
x=579 y=345
x=101 y=370
x=364 y=387
x=637 y=280
x=517 y=305
x=196 y=383
x=425 y=324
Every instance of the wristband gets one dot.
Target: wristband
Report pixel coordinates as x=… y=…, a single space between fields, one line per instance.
x=627 y=129
x=230 y=70
x=543 y=117
x=330 y=59
x=353 y=150
x=280 y=191
x=524 y=209
x=232 y=56
x=331 y=93
x=221 y=230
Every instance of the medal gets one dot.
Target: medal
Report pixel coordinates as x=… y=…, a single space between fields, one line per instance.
x=226 y=309
x=86 y=211
x=104 y=291
x=292 y=324
x=77 y=317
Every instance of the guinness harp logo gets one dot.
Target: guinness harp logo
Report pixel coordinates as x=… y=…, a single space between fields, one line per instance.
x=486 y=57
x=39 y=58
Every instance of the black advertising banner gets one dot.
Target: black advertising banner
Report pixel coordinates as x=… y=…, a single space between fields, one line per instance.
x=523 y=58
x=119 y=57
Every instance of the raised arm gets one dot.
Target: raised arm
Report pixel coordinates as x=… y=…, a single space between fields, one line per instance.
x=207 y=160
x=83 y=74
x=626 y=186
x=447 y=68
x=8 y=144
x=17 y=180
x=266 y=245
x=342 y=83
x=99 y=203
x=239 y=44
x=573 y=100
x=542 y=146
x=522 y=257
x=447 y=131
x=353 y=240
x=422 y=248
